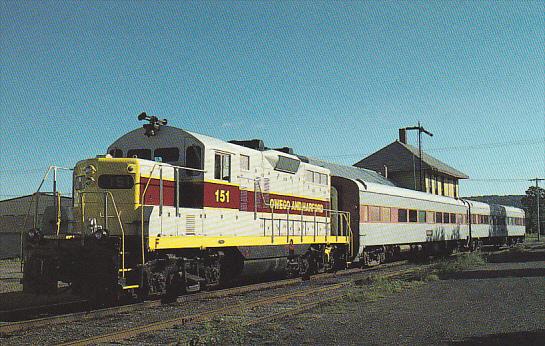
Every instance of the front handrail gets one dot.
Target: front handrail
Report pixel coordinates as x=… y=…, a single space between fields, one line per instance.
x=106 y=193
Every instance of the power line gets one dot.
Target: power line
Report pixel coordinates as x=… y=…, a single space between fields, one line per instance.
x=495 y=179
x=466 y=147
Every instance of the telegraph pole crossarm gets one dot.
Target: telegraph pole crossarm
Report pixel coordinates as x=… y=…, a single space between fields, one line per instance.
x=420 y=130
x=537 y=180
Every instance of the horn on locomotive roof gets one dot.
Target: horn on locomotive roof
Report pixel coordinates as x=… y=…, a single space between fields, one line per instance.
x=154 y=123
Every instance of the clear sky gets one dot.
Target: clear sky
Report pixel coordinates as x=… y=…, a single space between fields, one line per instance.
x=333 y=80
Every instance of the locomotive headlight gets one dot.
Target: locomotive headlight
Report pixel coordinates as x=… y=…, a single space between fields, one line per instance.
x=100 y=234
x=34 y=235
x=131 y=168
x=90 y=170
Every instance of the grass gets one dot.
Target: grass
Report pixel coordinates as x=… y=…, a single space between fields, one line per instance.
x=219 y=331
x=460 y=263
x=228 y=330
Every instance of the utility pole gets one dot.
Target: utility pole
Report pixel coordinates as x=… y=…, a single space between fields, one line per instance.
x=537 y=180
x=420 y=130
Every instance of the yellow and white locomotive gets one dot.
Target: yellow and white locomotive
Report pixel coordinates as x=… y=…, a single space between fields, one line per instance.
x=168 y=211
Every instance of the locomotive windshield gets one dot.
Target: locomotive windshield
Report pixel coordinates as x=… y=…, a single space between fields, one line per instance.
x=115 y=181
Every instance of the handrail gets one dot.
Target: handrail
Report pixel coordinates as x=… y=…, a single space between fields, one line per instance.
x=107 y=193
x=339 y=213
x=142 y=204
x=37 y=194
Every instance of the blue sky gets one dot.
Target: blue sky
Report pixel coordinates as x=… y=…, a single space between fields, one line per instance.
x=333 y=80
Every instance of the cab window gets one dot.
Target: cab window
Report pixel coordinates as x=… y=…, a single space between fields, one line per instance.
x=115 y=181
x=140 y=153
x=222 y=167
x=116 y=153
x=193 y=159
x=166 y=154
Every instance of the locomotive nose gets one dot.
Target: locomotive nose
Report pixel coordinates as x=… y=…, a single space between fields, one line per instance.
x=106 y=189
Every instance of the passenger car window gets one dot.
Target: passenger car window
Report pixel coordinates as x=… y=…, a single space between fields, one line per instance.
x=438 y=217
x=412 y=216
x=402 y=215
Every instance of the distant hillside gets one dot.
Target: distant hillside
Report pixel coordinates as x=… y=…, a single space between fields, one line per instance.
x=510 y=200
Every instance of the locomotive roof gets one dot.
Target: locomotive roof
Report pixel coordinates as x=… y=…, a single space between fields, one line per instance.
x=171 y=136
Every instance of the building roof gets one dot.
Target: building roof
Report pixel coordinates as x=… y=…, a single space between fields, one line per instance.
x=398 y=157
x=30 y=196
x=351 y=172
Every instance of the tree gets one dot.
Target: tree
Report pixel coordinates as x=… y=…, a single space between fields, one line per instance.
x=530 y=206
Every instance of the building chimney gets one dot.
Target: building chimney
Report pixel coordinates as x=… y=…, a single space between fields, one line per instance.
x=403 y=136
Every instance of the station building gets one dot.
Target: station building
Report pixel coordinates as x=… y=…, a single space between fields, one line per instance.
x=399 y=162
x=17 y=215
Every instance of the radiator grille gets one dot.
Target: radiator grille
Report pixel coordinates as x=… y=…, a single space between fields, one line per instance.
x=190 y=225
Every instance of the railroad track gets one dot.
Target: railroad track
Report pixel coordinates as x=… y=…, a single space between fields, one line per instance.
x=86 y=314
x=315 y=296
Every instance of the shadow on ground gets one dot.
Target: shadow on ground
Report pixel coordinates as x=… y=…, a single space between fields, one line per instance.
x=534 y=337
x=513 y=257
x=20 y=300
x=494 y=274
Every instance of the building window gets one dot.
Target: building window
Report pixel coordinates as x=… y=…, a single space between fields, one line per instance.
x=222 y=167
x=244 y=162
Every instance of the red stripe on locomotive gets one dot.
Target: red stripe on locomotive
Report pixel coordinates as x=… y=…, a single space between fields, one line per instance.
x=219 y=195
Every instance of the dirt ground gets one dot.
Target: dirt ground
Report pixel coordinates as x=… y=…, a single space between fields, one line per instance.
x=501 y=302
x=11 y=295
x=10 y=275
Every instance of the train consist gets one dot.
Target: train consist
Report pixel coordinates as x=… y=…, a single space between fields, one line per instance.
x=168 y=211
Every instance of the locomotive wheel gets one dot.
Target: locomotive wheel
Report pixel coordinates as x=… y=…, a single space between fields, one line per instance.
x=173 y=287
x=142 y=293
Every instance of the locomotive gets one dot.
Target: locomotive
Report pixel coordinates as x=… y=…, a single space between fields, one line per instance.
x=168 y=211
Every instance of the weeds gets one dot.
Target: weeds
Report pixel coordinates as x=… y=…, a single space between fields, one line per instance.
x=220 y=331
x=463 y=262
